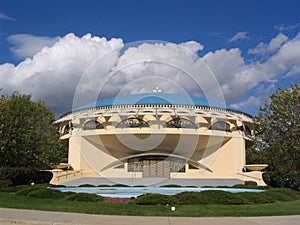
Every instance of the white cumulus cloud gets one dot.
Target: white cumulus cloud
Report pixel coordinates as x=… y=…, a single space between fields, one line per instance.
x=272 y=46
x=53 y=73
x=82 y=69
x=237 y=77
x=25 y=45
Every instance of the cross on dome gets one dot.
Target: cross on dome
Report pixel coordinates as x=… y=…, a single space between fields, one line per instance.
x=157 y=90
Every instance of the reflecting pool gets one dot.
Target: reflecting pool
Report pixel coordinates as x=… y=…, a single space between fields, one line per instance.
x=128 y=192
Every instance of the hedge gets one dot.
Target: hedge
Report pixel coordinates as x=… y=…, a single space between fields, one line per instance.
x=280 y=179
x=84 y=197
x=22 y=175
x=212 y=197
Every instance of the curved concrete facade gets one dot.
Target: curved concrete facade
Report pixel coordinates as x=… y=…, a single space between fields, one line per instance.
x=152 y=139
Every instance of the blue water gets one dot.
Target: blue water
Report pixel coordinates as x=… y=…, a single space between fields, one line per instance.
x=127 y=192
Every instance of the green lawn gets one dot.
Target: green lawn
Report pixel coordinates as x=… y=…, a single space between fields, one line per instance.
x=23 y=202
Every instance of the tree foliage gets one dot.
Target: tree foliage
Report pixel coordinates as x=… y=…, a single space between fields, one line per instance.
x=28 y=137
x=278 y=133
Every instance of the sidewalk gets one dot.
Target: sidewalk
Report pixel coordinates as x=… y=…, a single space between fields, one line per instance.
x=33 y=217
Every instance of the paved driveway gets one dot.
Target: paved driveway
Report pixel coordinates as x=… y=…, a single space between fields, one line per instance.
x=33 y=217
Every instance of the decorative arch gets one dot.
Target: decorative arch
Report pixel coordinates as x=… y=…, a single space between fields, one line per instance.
x=92 y=125
x=221 y=126
x=132 y=123
x=181 y=123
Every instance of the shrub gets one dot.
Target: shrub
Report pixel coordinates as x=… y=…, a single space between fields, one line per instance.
x=23 y=175
x=279 y=193
x=12 y=189
x=256 y=198
x=279 y=196
x=248 y=186
x=5 y=183
x=154 y=199
x=84 y=197
x=46 y=193
x=191 y=198
x=25 y=190
x=120 y=185
x=250 y=182
x=86 y=185
x=223 y=197
x=57 y=186
x=172 y=185
x=288 y=179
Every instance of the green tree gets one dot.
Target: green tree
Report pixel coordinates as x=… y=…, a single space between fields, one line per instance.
x=28 y=137
x=278 y=132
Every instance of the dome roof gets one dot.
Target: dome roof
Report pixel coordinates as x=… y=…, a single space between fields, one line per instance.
x=156 y=99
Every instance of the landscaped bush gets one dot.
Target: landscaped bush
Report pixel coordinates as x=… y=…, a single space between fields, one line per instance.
x=278 y=196
x=120 y=185
x=256 y=198
x=46 y=193
x=57 y=186
x=86 y=185
x=222 y=197
x=248 y=186
x=212 y=197
x=41 y=191
x=84 y=197
x=25 y=190
x=283 y=194
x=172 y=185
x=13 y=189
x=154 y=199
x=209 y=197
x=190 y=198
x=250 y=182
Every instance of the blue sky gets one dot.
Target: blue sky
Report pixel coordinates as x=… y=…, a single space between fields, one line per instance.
x=238 y=39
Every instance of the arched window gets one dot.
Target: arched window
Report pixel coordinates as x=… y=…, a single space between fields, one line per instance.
x=181 y=123
x=132 y=122
x=92 y=125
x=220 y=125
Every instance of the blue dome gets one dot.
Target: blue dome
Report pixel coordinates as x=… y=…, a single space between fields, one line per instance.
x=156 y=99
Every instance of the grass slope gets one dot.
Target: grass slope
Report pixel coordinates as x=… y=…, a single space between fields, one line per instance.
x=24 y=202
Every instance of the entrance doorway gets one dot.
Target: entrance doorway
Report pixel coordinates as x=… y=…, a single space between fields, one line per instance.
x=156 y=167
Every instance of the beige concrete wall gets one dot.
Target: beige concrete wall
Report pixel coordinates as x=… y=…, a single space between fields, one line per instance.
x=90 y=151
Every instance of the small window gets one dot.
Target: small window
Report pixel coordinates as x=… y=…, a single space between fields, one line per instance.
x=132 y=122
x=92 y=125
x=247 y=131
x=66 y=129
x=180 y=123
x=220 y=125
